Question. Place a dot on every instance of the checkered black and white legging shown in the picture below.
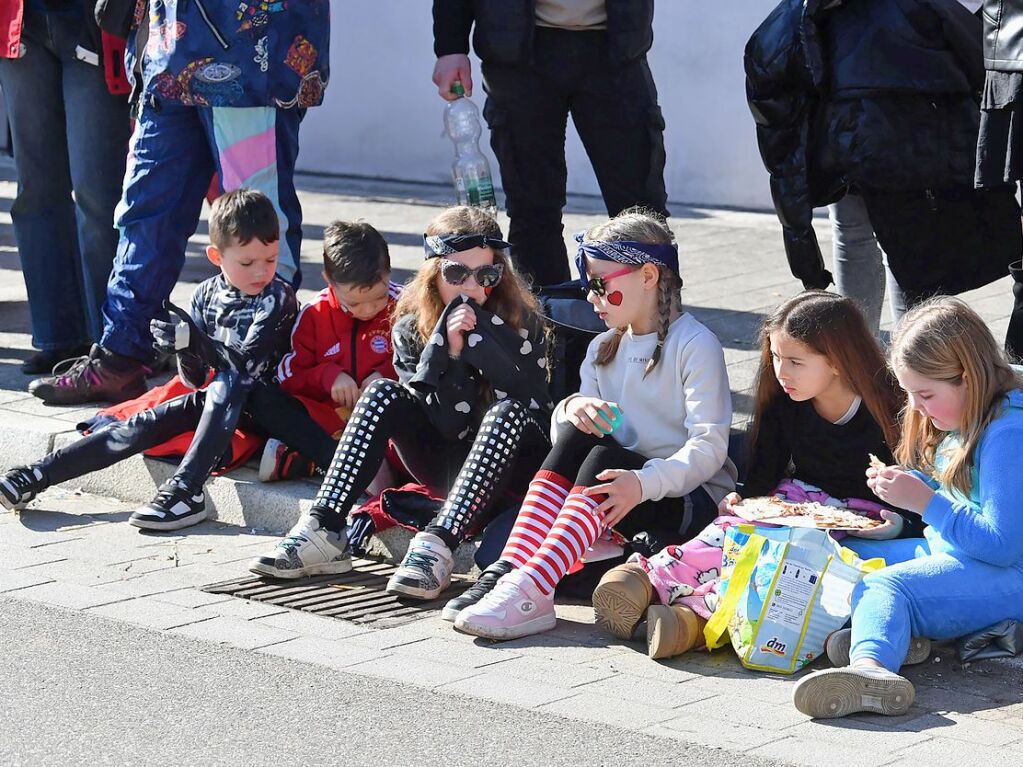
(508, 448)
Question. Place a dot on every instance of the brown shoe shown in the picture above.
(621, 598)
(672, 630)
(101, 376)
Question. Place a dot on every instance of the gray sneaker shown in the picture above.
(426, 569)
(838, 644)
(306, 550)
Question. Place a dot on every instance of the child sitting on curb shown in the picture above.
(341, 343)
(236, 330)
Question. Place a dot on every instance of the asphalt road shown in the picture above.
(78, 689)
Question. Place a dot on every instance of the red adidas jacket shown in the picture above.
(327, 341)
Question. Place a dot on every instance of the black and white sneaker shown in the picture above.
(306, 550)
(483, 586)
(173, 508)
(426, 569)
(19, 486)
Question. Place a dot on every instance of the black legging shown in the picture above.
(580, 456)
(508, 448)
(212, 413)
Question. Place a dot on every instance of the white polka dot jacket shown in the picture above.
(497, 358)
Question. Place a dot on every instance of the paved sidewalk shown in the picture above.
(74, 552)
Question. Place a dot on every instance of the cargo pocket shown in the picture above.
(656, 194)
(503, 143)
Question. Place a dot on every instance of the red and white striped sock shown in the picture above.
(544, 499)
(574, 531)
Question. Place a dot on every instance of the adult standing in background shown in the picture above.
(222, 88)
(66, 97)
(543, 60)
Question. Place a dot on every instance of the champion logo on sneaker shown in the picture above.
(527, 607)
(333, 350)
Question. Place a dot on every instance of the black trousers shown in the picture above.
(505, 453)
(581, 457)
(614, 109)
(212, 413)
(279, 415)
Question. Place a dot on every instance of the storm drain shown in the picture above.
(356, 596)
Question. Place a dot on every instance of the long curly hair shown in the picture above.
(511, 299)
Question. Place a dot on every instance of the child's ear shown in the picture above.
(651, 276)
(213, 254)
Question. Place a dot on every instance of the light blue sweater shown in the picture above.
(989, 524)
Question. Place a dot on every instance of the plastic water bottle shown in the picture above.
(471, 172)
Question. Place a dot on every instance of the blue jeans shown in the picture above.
(174, 152)
(68, 133)
(937, 596)
(861, 267)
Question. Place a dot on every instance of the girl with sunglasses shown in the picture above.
(469, 415)
(642, 446)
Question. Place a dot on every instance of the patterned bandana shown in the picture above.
(625, 252)
(437, 245)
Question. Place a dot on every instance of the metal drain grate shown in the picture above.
(356, 596)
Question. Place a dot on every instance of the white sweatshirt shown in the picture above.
(678, 416)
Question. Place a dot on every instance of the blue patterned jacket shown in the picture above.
(232, 53)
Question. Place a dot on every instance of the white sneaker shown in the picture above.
(515, 608)
(306, 550)
(426, 569)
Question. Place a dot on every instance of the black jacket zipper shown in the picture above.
(355, 362)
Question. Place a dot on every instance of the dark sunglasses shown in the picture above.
(486, 276)
(598, 285)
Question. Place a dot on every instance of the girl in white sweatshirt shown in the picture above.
(643, 445)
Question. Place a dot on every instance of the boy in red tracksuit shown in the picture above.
(341, 342)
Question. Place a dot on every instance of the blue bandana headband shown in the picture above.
(439, 245)
(625, 252)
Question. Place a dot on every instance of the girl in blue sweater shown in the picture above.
(959, 456)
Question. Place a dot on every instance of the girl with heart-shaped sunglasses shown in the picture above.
(642, 448)
(469, 416)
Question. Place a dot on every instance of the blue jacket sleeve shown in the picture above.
(993, 530)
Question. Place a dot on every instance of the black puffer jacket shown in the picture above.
(879, 94)
(504, 29)
(1003, 35)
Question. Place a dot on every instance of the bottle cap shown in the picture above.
(457, 89)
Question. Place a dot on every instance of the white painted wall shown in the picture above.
(382, 116)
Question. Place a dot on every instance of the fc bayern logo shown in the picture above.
(379, 344)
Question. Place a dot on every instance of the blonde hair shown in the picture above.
(834, 327)
(511, 298)
(641, 225)
(943, 339)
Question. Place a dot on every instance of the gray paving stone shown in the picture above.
(150, 613)
(243, 609)
(729, 734)
(745, 709)
(456, 652)
(14, 557)
(247, 635)
(322, 652)
(13, 580)
(971, 729)
(500, 688)
(649, 691)
(599, 708)
(751, 685)
(190, 598)
(552, 648)
(548, 671)
(674, 670)
(943, 752)
(313, 625)
(71, 595)
(422, 673)
(853, 732)
(814, 753)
